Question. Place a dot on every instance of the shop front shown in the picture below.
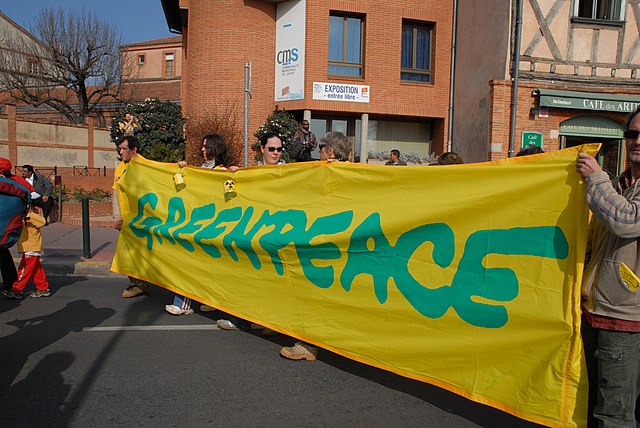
(590, 117)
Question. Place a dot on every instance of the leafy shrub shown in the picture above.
(76, 195)
(162, 135)
(97, 195)
(282, 123)
(409, 157)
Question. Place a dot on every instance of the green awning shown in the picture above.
(591, 126)
(587, 100)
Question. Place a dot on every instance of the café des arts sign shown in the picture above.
(586, 100)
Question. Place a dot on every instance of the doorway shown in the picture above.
(610, 156)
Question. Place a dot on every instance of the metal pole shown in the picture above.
(86, 233)
(247, 95)
(452, 80)
(516, 75)
(246, 114)
(60, 202)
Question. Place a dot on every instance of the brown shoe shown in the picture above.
(134, 290)
(299, 351)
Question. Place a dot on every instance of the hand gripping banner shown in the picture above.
(466, 276)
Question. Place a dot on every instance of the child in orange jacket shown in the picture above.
(30, 245)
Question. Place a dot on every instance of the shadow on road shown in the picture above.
(32, 336)
(447, 401)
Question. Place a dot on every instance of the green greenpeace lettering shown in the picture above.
(476, 293)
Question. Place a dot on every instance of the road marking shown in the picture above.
(154, 328)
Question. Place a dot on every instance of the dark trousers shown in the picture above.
(613, 367)
(8, 268)
(46, 206)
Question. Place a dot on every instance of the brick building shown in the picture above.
(377, 70)
(577, 76)
(157, 66)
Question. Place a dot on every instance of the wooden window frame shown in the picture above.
(164, 65)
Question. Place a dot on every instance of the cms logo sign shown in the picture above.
(287, 56)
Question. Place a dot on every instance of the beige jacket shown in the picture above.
(614, 235)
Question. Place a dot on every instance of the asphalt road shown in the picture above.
(85, 357)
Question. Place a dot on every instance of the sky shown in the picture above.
(137, 20)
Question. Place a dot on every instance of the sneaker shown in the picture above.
(206, 308)
(228, 325)
(134, 290)
(299, 351)
(40, 293)
(14, 295)
(174, 310)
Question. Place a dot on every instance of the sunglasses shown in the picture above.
(273, 149)
(631, 134)
(321, 146)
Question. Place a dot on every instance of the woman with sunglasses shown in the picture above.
(334, 147)
(271, 148)
(216, 156)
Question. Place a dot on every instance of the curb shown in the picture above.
(92, 269)
(101, 269)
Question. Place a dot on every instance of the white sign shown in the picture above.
(340, 92)
(290, 42)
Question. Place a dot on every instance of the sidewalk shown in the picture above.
(63, 250)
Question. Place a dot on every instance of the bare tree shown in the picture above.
(73, 66)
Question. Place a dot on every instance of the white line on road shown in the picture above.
(153, 328)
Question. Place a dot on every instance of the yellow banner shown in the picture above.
(464, 276)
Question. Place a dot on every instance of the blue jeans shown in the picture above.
(618, 372)
(182, 302)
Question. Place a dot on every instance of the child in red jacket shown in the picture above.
(30, 245)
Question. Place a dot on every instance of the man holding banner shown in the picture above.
(128, 147)
(611, 314)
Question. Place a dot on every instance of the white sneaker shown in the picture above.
(174, 310)
(227, 325)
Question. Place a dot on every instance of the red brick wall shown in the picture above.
(88, 182)
(222, 36)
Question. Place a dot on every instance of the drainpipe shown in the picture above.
(516, 75)
(454, 40)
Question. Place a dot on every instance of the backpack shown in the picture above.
(14, 202)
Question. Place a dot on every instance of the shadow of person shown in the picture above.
(38, 399)
(35, 334)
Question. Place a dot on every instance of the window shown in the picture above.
(416, 52)
(141, 59)
(33, 66)
(608, 10)
(168, 65)
(345, 46)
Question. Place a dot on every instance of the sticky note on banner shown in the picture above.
(630, 279)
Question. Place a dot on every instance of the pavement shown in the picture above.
(64, 250)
